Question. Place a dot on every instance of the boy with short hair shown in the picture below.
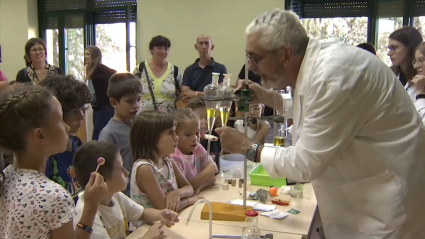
(124, 92)
(73, 96)
(115, 210)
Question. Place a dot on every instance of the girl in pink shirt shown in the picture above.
(189, 155)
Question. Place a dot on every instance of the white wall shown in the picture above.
(18, 23)
(182, 21)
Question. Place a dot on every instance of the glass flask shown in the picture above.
(226, 103)
(213, 96)
(251, 230)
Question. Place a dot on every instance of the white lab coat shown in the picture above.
(361, 143)
(419, 103)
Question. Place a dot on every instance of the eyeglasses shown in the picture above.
(256, 59)
(41, 49)
(392, 48)
(419, 62)
(255, 109)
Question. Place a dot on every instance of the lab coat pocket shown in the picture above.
(378, 202)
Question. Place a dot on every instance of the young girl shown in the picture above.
(32, 206)
(198, 106)
(156, 181)
(257, 129)
(189, 155)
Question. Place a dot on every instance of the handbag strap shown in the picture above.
(143, 66)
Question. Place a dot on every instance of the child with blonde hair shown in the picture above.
(189, 155)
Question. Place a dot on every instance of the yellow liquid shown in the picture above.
(224, 113)
(279, 141)
(211, 116)
(212, 113)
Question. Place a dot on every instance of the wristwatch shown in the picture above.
(252, 151)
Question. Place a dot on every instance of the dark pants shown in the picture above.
(101, 117)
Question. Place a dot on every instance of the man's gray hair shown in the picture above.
(279, 28)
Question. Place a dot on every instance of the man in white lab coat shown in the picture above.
(357, 136)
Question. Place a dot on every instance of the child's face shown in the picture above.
(167, 142)
(74, 119)
(119, 178)
(202, 113)
(188, 133)
(54, 135)
(127, 107)
(255, 110)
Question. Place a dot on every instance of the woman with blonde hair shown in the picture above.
(97, 78)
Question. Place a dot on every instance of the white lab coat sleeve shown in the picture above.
(420, 107)
(334, 106)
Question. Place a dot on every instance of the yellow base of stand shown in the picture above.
(225, 212)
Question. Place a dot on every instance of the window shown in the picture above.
(111, 40)
(52, 46)
(70, 26)
(352, 30)
(419, 23)
(133, 55)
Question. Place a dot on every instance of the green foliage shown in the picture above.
(352, 30)
(74, 51)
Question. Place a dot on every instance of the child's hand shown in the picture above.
(168, 217)
(212, 168)
(172, 200)
(197, 191)
(96, 188)
(155, 232)
(192, 200)
(264, 130)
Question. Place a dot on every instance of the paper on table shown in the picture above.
(240, 202)
(264, 207)
(276, 214)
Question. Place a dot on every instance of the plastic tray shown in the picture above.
(260, 177)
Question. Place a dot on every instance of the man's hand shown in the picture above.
(187, 94)
(419, 82)
(261, 94)
(233, 141)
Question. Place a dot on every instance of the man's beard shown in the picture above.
(276, 83)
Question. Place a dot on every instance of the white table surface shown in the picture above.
(293, 224)
(291, 227)
(200, 230)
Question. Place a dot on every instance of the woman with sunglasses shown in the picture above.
(37, 68)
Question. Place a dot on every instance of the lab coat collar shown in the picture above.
(304, 74)
(311, 53)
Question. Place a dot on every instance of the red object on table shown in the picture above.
(280, 202)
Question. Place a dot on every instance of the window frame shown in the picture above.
(89, 14)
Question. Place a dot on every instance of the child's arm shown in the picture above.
(66, 231)
(262, 133)
(148, 183)
(205, 178)
(93, 193)
(87, 219)
(185, 189)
